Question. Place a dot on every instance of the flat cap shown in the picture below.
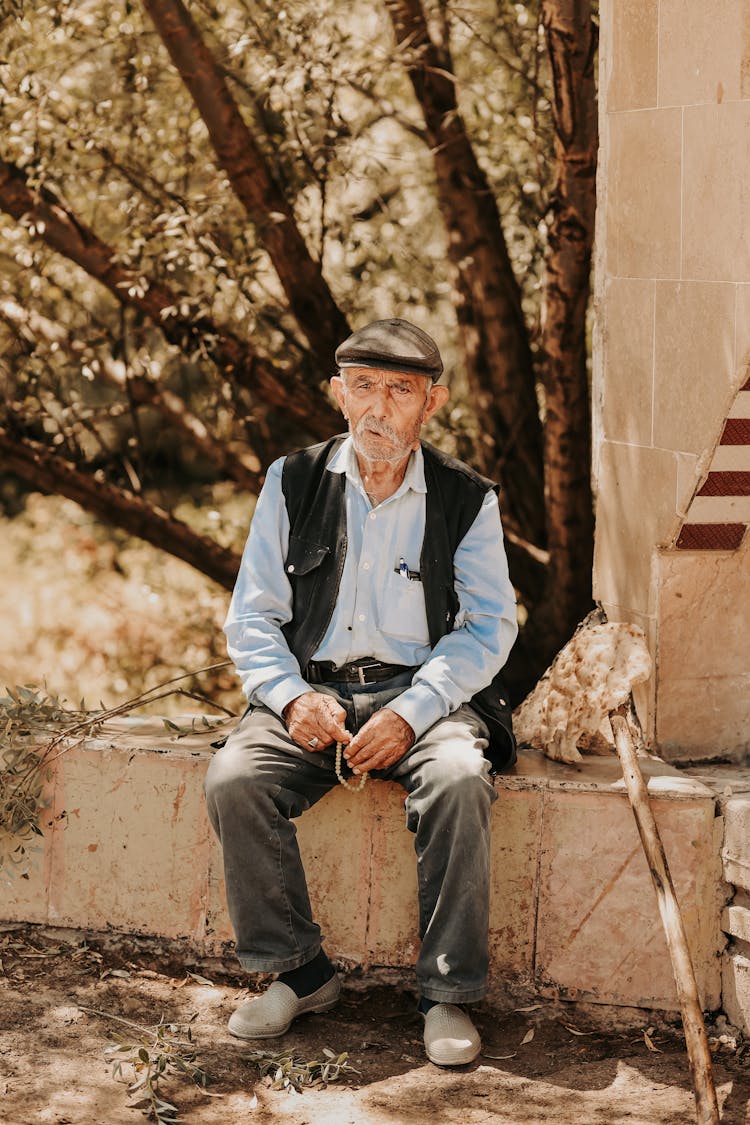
(392, 345)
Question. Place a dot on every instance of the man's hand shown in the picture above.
(316, 716)
(380, 743)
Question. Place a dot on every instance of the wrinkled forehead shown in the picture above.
(379, 376)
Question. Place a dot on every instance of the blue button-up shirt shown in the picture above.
(380, 611)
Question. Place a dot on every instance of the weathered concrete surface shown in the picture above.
(573, 911)
(732, 784)
(671, 359)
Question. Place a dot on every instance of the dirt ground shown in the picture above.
(64, 1000)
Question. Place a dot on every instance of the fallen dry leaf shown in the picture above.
(528, 1036)
(123, 973)
(197, 978)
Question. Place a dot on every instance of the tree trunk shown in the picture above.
(43, 469)
(309, 296)
(571, 42)
(63, 232)
(493, 330)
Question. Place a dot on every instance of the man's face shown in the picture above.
(386, 410)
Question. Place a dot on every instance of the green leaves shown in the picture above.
(286, 1071)
(28, 715)
(198, 725)
(155, 1054)
(37, 726)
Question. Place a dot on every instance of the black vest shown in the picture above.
(317, 549)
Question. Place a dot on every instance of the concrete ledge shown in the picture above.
(573, 914)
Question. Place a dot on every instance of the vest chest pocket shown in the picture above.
(304, 557)
(402, 610)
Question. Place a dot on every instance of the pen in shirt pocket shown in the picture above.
(403, 571)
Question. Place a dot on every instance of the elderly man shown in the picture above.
(372, 607)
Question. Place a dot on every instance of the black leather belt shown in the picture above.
(358, 672)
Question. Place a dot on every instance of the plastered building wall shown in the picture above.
(671, 384)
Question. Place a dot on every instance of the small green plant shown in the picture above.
(287, 1071)
(155, 1054)
(28, 716)
(35, 728)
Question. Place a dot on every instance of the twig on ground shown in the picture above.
(287, 1071)
(155, 1053)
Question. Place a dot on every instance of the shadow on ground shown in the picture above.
(537, 1065)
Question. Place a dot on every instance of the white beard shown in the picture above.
(377, 441)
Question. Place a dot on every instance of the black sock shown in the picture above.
(308, 978)
(425, 1005)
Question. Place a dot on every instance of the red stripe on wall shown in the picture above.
(711, 536)
(726, 483)
(736, 432)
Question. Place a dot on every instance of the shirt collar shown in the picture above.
(345, 461)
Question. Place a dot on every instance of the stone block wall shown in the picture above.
(127, 847)
(672, 344)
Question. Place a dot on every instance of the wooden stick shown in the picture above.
(707, 1108)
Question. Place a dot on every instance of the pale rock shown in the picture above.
(588, 679)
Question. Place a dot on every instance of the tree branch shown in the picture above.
(65, 233)
(45, 470)
(309, 296)
(244, 469)
(490, 316)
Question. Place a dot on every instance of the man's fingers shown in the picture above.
(377, 759)
(315, 721)
(383, 740)
(333, 719)
(335, 732)
(334, 708)
(358, 747)
(366, 750)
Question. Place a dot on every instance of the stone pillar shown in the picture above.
(672, 344)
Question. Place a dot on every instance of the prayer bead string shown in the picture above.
(345, 780)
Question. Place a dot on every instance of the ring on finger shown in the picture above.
(313, 742)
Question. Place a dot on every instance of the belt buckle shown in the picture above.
(361, 673)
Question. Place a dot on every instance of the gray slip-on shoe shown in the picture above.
(450, 1038)
(271, 1014)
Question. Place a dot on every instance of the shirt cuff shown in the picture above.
(420, 707)
(276, 694)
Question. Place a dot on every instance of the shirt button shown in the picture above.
(365, 566)
(290, 568)
(373, 516)
(361, 617)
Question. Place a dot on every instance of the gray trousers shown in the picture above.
(261, 779)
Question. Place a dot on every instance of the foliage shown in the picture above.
(37, 730)
(91, 108)
(185, 236)
(168, 1050)
(155, 1054)
(288, 1071)
(27, 713)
